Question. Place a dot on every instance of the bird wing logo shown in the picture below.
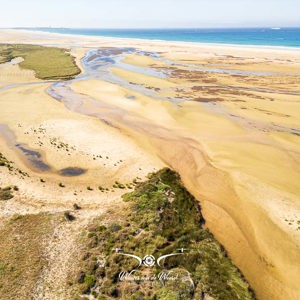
(149, 260)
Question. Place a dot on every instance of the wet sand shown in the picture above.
(226, 118)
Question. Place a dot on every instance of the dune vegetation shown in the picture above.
(21, 253)
(48, 63)
(162, 218)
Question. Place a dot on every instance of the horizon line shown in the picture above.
(151, 28)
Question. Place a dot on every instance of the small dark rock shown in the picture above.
(69, 216)
(76, 206)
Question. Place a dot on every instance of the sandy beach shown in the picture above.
(225, 118)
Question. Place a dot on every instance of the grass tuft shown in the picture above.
(7, 192)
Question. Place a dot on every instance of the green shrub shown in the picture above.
(90, 280)
(162, 217)
(7, 192)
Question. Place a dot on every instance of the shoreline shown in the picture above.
(216, 141)
(158, 41)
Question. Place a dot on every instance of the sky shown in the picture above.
(149, 13)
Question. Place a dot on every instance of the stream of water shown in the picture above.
(97, 64)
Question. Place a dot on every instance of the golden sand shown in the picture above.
(244, 170)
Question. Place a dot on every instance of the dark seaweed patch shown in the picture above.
(71, 172)
(34, 158)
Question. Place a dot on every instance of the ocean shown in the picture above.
(284, 37)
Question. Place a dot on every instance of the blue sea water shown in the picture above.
(284, 37)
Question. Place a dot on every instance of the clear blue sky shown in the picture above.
(149, 13)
